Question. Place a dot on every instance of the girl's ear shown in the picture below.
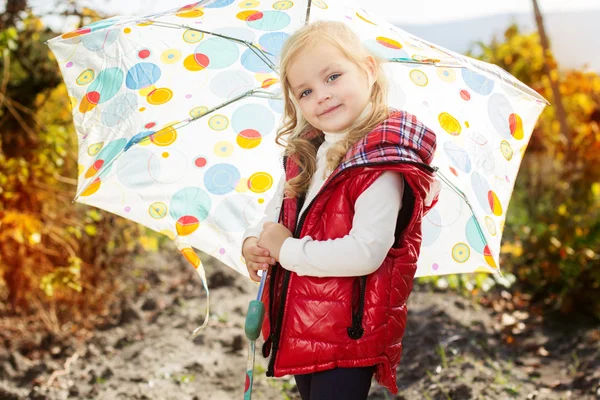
(371, 67)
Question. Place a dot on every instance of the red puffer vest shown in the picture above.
(323, 323)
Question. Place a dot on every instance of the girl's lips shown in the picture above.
(330, 109)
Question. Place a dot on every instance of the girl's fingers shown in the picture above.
(253, 269)
(258, 266)
(253, 275)
(257, 251)
(252, 272)
(263, 260)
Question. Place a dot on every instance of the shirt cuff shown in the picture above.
(290, 251)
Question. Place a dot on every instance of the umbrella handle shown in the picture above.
(253, 325)
(254, 320)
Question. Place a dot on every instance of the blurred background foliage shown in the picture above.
(57, 258)
(64, 260)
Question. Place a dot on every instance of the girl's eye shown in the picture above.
(306, 92)
(334, 76)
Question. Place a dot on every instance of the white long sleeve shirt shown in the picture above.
(364, 248)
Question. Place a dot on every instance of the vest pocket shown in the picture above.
(356, 331)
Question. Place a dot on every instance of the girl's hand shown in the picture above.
(257, 258)
(272, 238)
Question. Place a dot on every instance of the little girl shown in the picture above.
(342, 258)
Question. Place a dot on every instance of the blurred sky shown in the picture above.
(397, 11)
(455, 24)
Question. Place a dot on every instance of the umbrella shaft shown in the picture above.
(249, 371)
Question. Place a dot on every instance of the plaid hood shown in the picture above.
(399, 138)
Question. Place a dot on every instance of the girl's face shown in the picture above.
(331, 90)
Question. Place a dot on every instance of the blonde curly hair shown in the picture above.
(296, 131)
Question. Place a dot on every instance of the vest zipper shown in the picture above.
(276, 333)
(266, 345)
(356, 331)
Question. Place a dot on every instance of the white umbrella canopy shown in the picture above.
(176, 115)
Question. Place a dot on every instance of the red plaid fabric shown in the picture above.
(400, 136)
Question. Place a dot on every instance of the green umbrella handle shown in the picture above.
(254, 319)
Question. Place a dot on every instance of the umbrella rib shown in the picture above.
(426, 43)
(260, 54)
(255, 49)
(253, 92)
(435, 63)
(447, 181)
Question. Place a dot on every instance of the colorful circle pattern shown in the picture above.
(86, 77)
(192, 36)
(461, 253)
(231, 69)
(221, 179)
(260, 182)
(269, 21)
(218, 122)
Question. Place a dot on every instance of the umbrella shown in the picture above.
(176, 113)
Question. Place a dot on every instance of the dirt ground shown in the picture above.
(455, 348)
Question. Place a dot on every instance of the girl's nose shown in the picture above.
(324, 96)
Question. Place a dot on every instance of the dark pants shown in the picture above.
(336, 384)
